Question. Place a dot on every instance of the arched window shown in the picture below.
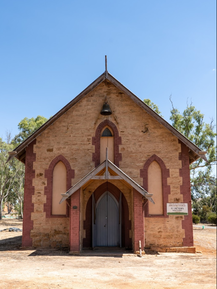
(155, 175)
(96, 140)
(59, 187)
(52, 191)
(155, 188)
(106, 141)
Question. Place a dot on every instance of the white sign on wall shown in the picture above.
(177, 209)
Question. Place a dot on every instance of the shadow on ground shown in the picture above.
(9, 244)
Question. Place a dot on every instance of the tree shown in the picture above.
(16, 196)
(12, 173)
(152, 105)
(27, 126)
(204, 198)
(191, 124)
(9, 173)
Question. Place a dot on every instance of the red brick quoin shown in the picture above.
(48, 189)
(165, 187)
(185, 189)
(96, 142)
(28, 207)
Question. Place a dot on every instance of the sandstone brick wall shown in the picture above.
(71, 136)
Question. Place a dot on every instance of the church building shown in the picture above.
(107, 171)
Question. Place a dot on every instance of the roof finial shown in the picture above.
(106, 71)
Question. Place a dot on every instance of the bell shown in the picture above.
(106, 110)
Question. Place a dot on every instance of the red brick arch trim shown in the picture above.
(49, 188)
(165, 187)
(96, 142)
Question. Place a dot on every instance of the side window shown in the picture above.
(59, 187)
(106, 141)
(155, 188)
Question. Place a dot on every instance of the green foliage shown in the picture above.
(12, 172)
(212, 218)
(152, 106)
(191, 124)
(27, 126)
(203, 185)
(195, 219)
(205, 203)
(16, 195)
(204, 212)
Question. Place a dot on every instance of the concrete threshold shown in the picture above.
(107, 252)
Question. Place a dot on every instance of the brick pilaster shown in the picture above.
(74, 231)
(138, 221)
(28, 206)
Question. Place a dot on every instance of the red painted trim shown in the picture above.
(28, 206)
(126, 223)
(107, 186)
(138, 220)
(74, 230)
(165, 187)
(96, 142)
(185, 190)
(49, 188)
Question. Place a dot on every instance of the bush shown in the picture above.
(195, 219)
(212, 218)
(204, 213)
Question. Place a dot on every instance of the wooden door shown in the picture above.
(107, 221)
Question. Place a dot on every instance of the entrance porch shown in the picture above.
(106, 210)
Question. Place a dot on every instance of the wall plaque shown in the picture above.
(177, 209)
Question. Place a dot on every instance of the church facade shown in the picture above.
(107, 171)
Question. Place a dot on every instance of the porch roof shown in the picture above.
(94, 175)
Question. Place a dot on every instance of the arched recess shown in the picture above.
(59, 187)
(165, 187)
(155, 188)
(49, 188)
(125, 224)
(96, 142)
(106, 141)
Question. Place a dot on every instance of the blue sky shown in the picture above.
(51, 50)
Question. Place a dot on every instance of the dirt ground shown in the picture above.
(57, 269)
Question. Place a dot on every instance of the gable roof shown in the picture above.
(94, 175)
(194, 153)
